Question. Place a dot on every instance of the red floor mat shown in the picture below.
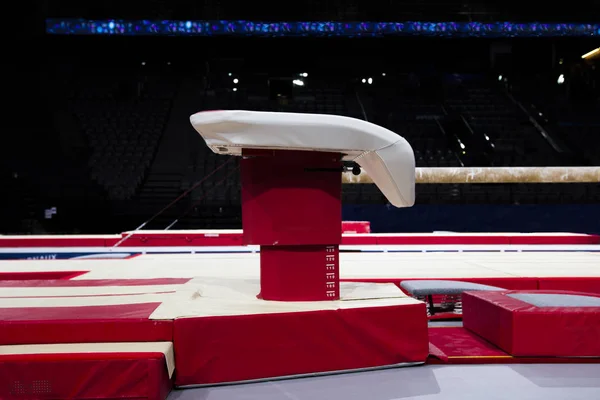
(215, 350)
(457, 342)
(454, 345)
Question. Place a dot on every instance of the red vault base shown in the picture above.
(291, 198)
(224, 349)
(299, 273)
(291, 207)
(525, 330)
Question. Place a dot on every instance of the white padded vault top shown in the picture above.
(386, 157)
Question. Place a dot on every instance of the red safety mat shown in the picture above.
(522, 329)
(84, 376)
(238, 348)
(7, 277)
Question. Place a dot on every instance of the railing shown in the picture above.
(495, 175)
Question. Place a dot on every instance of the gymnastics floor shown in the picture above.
(121, 315)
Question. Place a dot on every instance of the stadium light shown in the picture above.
(591, 53)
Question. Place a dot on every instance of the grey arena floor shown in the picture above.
(449, 382)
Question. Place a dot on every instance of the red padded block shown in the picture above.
(488, 321)
(84, 376)
(284, 204)
(213, 350)
(91, 324)
(460, 342)
(356, 227)
(590, 284)
(299, 273)
(524, 330)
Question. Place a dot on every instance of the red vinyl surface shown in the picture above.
(176, 239)
(358, 240)
(37, 276)
(556, 240)
(84, 376)
(448, 240)
(521, 329)
(94, 282)
(589, 284)
(237, 348)
(216, 238)
(48, 325)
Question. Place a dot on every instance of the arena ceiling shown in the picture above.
(329, 10)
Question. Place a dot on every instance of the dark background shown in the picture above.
(48, 150)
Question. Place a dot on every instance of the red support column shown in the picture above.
(291, 207)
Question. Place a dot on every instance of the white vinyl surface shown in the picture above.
(228, 297)
(352, 265)
(227, 284)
